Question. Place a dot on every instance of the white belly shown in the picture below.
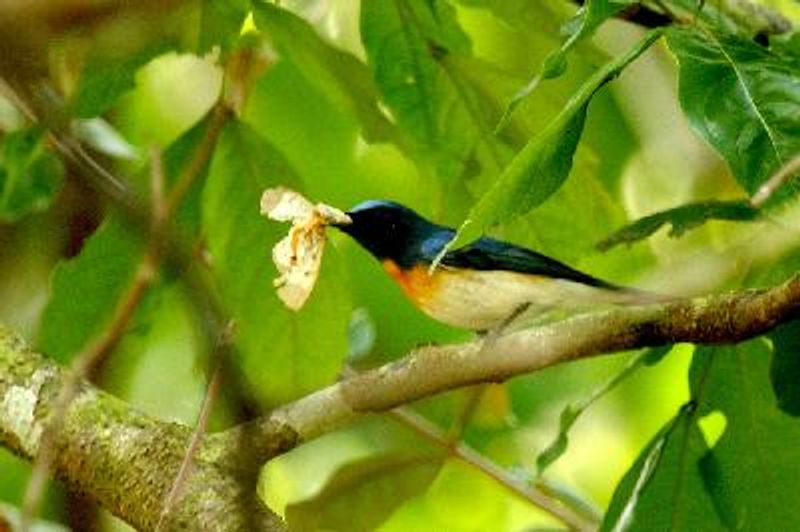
(486, 299)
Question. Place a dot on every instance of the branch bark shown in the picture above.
(120, 457)
(430, 370)
(127, 460)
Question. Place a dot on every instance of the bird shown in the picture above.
(482, 286)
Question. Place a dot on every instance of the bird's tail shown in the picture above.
(621, 295)
(580, 294)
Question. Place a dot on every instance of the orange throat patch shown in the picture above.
(417, 283)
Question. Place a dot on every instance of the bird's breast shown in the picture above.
(472, 299)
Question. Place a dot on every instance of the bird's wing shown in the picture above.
(491, 254)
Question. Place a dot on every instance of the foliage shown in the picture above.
(308, 345)
(432, 104)
(546, 160)
(680, 219)
(30, 175)
(742, 98)
(589, 17)
(377, 484)
(785, 367)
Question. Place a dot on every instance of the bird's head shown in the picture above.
(387, 229)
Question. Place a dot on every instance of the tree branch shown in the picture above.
(430, 370)
(127, 460)
(461, 451)
(120, 457)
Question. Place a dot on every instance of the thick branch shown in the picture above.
(127, 460)
(118, 456)
(431, 370)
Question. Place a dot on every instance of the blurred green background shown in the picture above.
(638, 155)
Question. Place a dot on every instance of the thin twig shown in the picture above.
(430, 370)
(158, 204)
(784, 173)
(462, 419)
(219, 117)
(87, 363)
(203, 418)
(84, 364)
(468, 455)
(117, 455)
(90, 361)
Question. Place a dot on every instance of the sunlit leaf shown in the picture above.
(283, 353)
(545, 162)
(785, 368)
(681, 219)
(105, 77)
(589, 17)
(744, 99)
(337, 74)
(740, 18)
(364, 493)
(523, 13)
(30, 175)
(221, 23)
(751, 472)
(664, 490)
(410, 46)
(160, 108)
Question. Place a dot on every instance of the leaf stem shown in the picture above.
(465, 453)
(201, 427)
(784, 173)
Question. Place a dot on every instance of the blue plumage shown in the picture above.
(480, 286)
(393, 231)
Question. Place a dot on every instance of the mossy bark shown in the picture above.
(125, 460)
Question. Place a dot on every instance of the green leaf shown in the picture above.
(221, 23)
(741, 18)
(785, 368)
(543, 165)
(159, 364)
(753, 469)
(285, 354)
(571, 413)
(11, 519)
(417, 52)
(85, 290)
(589, 17)
(664, 490)
(363, 494)
(744, 99)
(558, 446)
(654, 355)
(107, 76)
(337, 74)
(30, 175)
(681, 219)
